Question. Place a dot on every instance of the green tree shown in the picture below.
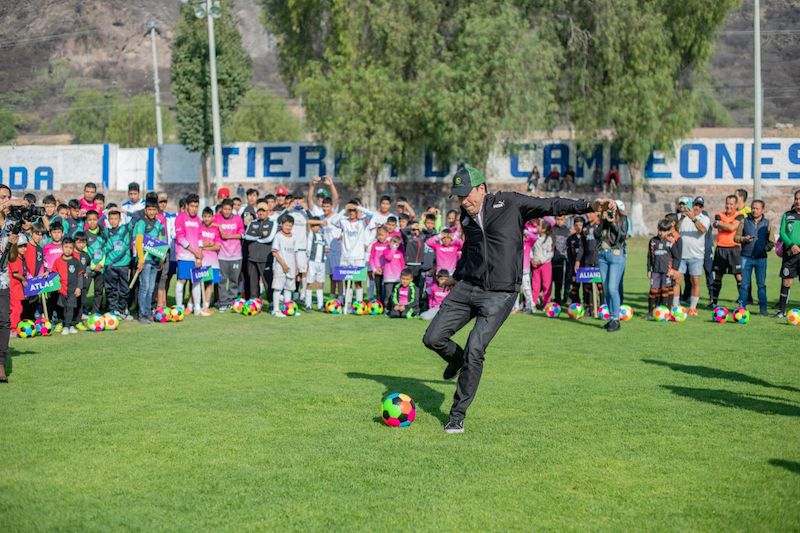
(191, 78)
(133, 122)
(631, 65)
(382, 79)
(263, 116)
(88, 116)
(8, 125)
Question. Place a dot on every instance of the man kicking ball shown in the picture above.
(487, 277)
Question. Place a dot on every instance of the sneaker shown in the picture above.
(223, 309)
(65, 331)
(691, 311)
(190, 309)
(648, 316)
(84, 316)
(58, 328)
(779, 314)
(454, 426)
(13, 333)
(763, 312)
(278, 314)
(452, 369)
(128, 318)
(145, 321)
(80, 326)
(613, 326)
(205, 312)
(711, 306)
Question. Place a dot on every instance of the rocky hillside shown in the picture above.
(47, 44)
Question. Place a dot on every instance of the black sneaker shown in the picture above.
(613, 326)
(452, 369)
(454, 426)
(779, 314)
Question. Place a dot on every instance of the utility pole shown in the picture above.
(152, 30)
(758, 100)
(212, 55)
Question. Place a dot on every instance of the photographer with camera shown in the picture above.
(9, 234)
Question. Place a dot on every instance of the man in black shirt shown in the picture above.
(488, 276)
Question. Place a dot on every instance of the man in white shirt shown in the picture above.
(692, 226)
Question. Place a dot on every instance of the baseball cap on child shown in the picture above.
(281, 191)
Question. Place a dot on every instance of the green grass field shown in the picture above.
(254, 423)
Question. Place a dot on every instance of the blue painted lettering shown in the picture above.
(702, 161)
(319, 161)
(269, 161)
(723, 158)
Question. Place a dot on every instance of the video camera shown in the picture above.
(18, 214)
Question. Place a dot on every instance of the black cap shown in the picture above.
(465, 179)
(699, 201)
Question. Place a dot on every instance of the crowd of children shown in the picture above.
(287, 246)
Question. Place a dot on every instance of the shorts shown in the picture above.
(282, 281)
(185, 270)
(333, 260)
(316, 272)
(301, 261)
(165, 273)
(693, 266)
(727, 260)
(790, 268)
(660, 280)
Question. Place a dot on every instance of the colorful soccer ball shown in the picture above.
(177, 313)
(333, 306)
(251, 308)
(625, 312)
(398, 410)
(576, 311)
(161, 314)
(604, 312)
(793, 317)
(289, 308)
(238, 305)
(259, 303)
(26, 329)
(375, 307)
(662, 313)
(96, 322)
(741, 315)
(679, 313)
(720, 314)
(43, 327)
(111, 321)
(552, 310)
(359, 308)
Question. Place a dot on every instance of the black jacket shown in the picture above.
(259, 236)
(492, 257)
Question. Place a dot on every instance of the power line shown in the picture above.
(763, 32)
(50, 37)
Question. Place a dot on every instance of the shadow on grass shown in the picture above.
(791, 466)
(12, 353)
(725, 398)
(427, 398)
(707, 372)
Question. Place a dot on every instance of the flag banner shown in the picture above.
(202, 274)
(42, 285)
(154, 247)
(345, 273)
(588, 275)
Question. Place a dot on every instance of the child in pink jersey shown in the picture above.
(447, 250)
(231, 228)
(394, 263)
(529, 235)
(377, 261)
(541, 263)
(211, 243)
(52, 250)
(188, 252)
(436, 295)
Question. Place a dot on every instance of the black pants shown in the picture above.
(116, 283)
(388, 290)
(560, 280)
(379, 294)
(99, 287)
(255, 271)
(465, 302)
(5, 324)
(54, 309)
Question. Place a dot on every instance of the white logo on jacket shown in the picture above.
(501, 203)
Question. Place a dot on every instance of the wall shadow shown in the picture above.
(427, 398)
(791, 466)
(725, 398)
(708, 372)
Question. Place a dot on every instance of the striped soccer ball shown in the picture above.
(43, 327)
(741, 315)
(662, 313)
(96, 322)
(625, 312)
(679, 313)
(552, 310)
(26, 329)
